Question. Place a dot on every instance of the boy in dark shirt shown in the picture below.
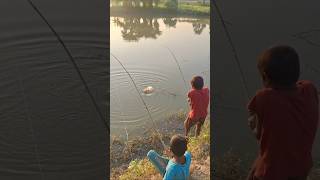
(284, 117)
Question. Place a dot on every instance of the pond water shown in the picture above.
(47, 120)
(161, 52)
(253, 29)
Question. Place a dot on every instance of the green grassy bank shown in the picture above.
(183, 8)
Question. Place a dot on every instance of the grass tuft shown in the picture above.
(140, 169)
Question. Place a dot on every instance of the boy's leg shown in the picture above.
(198, 129)
(188, 123)
(187, 126)
(158, 161)
(199, 125)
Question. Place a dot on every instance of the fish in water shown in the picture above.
(148, 90)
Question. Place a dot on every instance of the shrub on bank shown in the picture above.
(171, 4)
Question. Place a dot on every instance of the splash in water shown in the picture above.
(148, 90)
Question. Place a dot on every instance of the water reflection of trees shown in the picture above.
(198, 28)
(170, 22)
(135, 28)
(198, 24)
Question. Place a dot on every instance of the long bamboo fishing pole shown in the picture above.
(144, 103)
(235, 54)
(73, 63)
(175, 59)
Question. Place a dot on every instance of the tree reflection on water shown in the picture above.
(135, 28)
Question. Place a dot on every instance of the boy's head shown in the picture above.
(197, 82)
(279, 66)
(178, 145)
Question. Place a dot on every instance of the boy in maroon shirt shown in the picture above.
(198, 98)
(284, 118)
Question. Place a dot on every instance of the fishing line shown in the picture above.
(36, 148)
(177, 62)
(121, 120)
(144, 103)
(74, 64)
(168, 92)
(175, 59)
(236, 57)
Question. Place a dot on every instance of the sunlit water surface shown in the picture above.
(143, 45)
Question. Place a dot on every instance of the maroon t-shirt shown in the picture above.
(199, 100)
(289, 120)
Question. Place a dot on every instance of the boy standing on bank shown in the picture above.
(198, 98)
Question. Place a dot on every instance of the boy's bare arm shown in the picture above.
(189, 102)
(254, 124)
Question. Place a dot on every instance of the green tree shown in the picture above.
(171, 4)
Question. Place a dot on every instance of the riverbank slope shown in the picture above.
(128, 159)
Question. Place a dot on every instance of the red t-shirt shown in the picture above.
(289, 120)
(199, 100)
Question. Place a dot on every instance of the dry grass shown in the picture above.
(143, 169)
(200, 146)
(133, 165)
(140, 169)
(232, 166)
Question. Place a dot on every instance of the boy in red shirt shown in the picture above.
(198, 98)
(284, 118)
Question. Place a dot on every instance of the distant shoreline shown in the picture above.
(155, 12)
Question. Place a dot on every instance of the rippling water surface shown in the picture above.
(47, 119)
(141, 44)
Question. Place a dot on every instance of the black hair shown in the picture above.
(280, 64)
(197, 82)
(178, 145)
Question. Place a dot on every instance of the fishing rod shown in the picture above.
(125, 128)
(144, 103)
(235, 54)
(74, 64)
(175, 59)
(177, 62)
